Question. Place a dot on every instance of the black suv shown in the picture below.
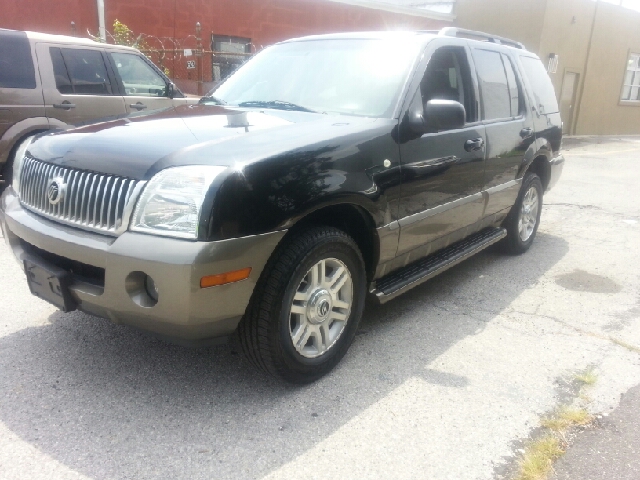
(326, 169)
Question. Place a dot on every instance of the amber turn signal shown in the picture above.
(224, 278)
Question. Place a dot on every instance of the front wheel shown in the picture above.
(306, 307)
(524, 218)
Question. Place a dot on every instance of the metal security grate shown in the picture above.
(87, 200)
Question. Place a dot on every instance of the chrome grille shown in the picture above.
(91, 201)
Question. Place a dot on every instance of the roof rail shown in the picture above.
(456, 32)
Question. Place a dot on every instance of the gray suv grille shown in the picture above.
(92, 201)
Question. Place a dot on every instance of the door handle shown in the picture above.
(474, 145)
(526, 132)
(66, 105)
(138, 106)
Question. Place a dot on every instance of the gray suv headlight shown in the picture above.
(171, 202)
(18, 161)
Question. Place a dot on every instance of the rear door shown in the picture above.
(144, 88)
(78, 86)
(509, 127)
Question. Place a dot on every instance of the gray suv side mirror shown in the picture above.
(438, 115)
(171, 90)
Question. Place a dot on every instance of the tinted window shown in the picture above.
(63, 83)
(448, 77)
(496, 99)
(16, 64)
(138, 77)
(87, 71)
(543, 92)
(514, 91)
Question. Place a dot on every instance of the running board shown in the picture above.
(398, 282)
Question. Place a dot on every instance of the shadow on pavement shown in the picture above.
(110, 402)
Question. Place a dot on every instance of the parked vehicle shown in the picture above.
(56, 82)
(325, 169)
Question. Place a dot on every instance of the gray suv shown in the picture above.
(56, 82)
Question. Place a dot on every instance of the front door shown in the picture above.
(568, 100)
(77, 85)
(143, 87)
(443, 172)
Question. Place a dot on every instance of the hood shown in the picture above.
(139, 146)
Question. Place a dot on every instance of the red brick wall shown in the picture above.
(49, 16)
(264, 21)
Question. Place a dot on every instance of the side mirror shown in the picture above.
(438, 115)
(171, 90)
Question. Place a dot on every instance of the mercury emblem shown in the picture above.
(56, 188)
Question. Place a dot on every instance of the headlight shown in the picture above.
(18, 160)
(172, 200)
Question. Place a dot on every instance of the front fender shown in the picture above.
(267, 198)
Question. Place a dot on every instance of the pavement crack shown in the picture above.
(593, 207)
(582, 331)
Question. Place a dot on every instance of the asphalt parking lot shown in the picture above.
(442, 383)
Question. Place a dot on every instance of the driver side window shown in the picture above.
(448, 77)
(138, 77)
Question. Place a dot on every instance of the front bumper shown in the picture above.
(184, 312)
(557, 164)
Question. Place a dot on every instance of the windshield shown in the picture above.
(354, 77)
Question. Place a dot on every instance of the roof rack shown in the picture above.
(457, 32)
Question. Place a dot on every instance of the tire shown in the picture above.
(7, 173)
(524, 218)
(296, 327)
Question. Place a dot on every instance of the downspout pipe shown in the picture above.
(102, 31)
(584, 71)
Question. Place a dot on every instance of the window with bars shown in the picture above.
(631, 88)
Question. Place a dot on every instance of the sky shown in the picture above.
(635, 4)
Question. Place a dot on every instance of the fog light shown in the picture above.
(151, 287)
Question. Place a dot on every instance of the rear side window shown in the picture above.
(63, 82)
(514, 91)
(16, 64)
(544, 95)
(80, 71)
(496, 96)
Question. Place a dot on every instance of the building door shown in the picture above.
(568, 100)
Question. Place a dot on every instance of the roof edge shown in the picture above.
(414, 12)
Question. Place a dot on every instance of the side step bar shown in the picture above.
(398, 282)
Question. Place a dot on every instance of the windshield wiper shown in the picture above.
(277, 104)
(212, 99)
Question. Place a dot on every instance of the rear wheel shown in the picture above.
(306, 307)
(524, 218)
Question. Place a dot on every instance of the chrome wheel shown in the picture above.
(528, 214)
(321, 307)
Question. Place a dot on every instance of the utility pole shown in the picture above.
(199, 58)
